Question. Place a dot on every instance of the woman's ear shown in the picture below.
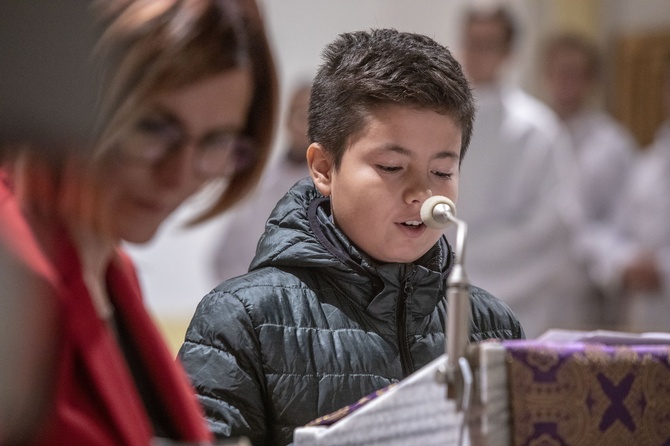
(321, 167)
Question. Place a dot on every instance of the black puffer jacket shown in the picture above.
(315, 325)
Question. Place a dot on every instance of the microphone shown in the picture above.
(438, 211)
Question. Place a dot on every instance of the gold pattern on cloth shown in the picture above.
(589, 394)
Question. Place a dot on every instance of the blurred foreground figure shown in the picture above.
(182, 95)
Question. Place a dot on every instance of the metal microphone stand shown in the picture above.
(438, 212)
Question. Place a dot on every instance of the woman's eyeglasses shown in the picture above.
(151, 140)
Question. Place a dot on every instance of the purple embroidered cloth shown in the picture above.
(588, 394)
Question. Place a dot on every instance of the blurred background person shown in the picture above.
(516, 189)
(187, 100)
(643, 270)
(604, 150)
(246, 222)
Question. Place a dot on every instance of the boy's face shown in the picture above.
(401, 157)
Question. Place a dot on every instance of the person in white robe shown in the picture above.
(516, 192)
(636, 271)
(604, 152)
(646, 277)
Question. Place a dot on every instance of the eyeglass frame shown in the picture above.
(169, 136)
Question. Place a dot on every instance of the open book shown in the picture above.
(606, 337)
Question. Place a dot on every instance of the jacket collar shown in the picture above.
(301, 233)
(421, 282)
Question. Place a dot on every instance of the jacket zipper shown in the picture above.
(401, 321)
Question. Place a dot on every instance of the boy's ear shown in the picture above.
(321, 167)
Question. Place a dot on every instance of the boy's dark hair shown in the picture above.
(363, 70)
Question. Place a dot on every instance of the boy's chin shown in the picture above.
(399, 257)
(400, 252)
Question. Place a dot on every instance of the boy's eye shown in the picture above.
(442, 174)
(388, 168)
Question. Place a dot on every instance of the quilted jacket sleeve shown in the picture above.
(491, 318)
(221, 355)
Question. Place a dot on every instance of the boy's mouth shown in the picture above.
(412, 228)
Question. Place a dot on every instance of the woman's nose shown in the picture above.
(177, 167)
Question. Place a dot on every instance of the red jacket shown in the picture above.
(95, 399)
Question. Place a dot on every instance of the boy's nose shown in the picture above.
(418, 191)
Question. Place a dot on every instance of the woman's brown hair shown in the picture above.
(150, 45)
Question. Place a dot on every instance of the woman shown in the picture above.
(188, 99)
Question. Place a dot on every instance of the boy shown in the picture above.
(346, 292)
